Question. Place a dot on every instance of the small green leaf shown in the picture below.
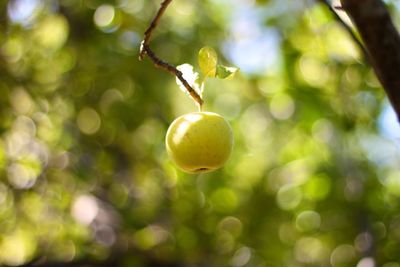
(191, 77)
(208, 59)
(224, 72)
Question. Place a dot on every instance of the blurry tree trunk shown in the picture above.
(382, 41)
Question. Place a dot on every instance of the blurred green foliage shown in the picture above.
(84, 176)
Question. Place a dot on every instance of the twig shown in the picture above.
(153, 25)
(345, 26)
(145, 50)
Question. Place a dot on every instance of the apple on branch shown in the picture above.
(199, 142)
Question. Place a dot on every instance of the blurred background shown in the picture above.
(314, 178)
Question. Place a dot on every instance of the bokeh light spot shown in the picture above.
(318, 187)
(366, 262)
(282, 106)
(313, 71)
(88, 121)
(150, 236)
(104, 15)
(310, 250)
(52, 32)
(342, 255)
(85, 209)
(308, 221)
(363, 242)
(232, 225)
(106, 18)
(13, 50)
(21, 101)
(17, 248)
(289, 197)
(23, 11)
(224, 200)
(241, 257)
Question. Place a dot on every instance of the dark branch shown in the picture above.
(373, 21)
(145, 50)
(345, 26)
(153, 25)
(171, 69)
(338, 7)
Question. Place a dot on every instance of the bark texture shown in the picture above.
(382, 40)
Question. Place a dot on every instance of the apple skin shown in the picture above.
(199, 142)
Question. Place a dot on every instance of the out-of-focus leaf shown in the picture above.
(224, 72)
(208, 60)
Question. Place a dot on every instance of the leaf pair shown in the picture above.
(208, 63)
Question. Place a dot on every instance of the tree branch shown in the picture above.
(348, 29)
(382, 40)
(145, 50)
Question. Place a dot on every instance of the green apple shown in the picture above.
(199, 142)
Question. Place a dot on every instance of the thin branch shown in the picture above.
(338, 8)
(145, 50)
(348, 29)
(171, 69)
(382, 40)
(153, 25)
